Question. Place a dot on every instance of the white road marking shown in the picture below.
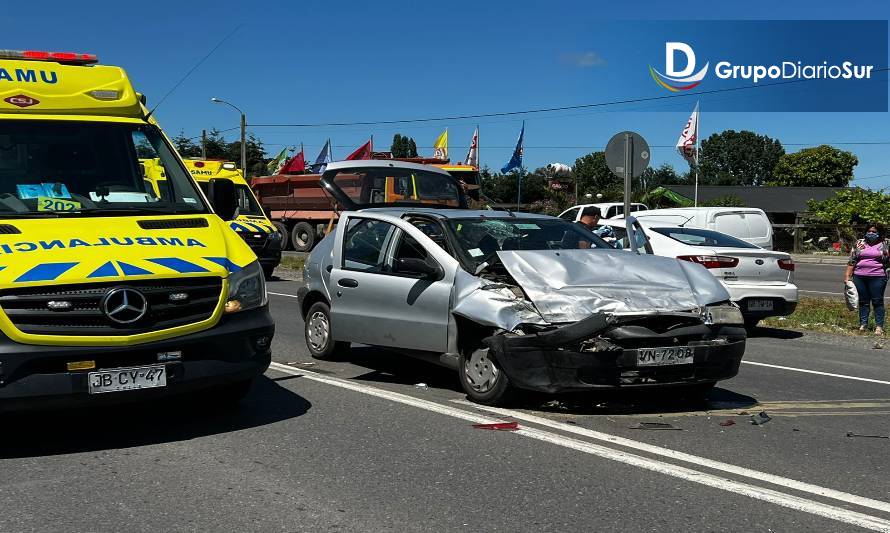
(695, 476)
(282, 294)
(689, 458)
(831, 293)
(807, 371)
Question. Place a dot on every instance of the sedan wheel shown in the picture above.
(481, 373)
(319, 339)
(482, 379)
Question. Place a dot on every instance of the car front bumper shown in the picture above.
(236, 349)
(553, 361)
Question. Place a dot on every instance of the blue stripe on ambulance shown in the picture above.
(224, 262)
(45, 272)
(237, 227)
(105, 271)
(258, 228)
(179, 265)
(132, 270)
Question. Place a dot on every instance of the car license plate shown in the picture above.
(671, 355)
(124, 379)
(760, 305)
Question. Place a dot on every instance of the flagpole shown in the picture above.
(697, 148)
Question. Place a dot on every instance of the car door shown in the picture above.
(376, 302)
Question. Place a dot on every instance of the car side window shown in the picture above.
(570, 214)
(364, 244)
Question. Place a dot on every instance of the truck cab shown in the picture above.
(250, 222)
(114, 286)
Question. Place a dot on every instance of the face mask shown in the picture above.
(871, 236)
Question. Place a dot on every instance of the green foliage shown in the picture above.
(594, 177)
(728, 200)
(652, 178)
(403, 146)
(738, 158)
(822, 166)
(185, 146)
(218, 148)
(851, 207)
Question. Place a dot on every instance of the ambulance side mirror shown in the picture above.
(221, 193)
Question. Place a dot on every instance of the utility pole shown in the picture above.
(243, 133)
(203, 144)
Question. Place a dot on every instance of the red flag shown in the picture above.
(295, 165)
(363, 152)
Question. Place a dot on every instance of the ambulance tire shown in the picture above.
(303, 236)
(285, 235)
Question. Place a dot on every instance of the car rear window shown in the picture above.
(703, 237)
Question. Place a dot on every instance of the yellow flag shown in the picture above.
(441, 146)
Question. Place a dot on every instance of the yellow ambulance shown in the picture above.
(113, 287)
(250, 223)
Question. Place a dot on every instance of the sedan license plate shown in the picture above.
(760, 305)
(671, 355)
(125, 379)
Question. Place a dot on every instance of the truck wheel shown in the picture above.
(285, 235)
(318, 333)
(482, 379)
(303, 236)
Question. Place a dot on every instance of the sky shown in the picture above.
(312, 62)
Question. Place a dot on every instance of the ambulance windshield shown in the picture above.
(51, 168)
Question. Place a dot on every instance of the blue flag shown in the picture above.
(321, 162)
(516, 160)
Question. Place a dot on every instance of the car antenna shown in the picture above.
(191, 70)
(687, 221)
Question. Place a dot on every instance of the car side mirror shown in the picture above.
(221, 193)
(420, 267)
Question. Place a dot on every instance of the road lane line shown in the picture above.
(688, 458)
(807, 371)
(831, 293)
(695, 476)
(282, 294)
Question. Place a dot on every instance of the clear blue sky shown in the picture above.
(310, 62)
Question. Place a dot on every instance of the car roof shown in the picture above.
(381, 163)
(454, 213)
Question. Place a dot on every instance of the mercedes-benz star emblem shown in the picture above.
(124, 306)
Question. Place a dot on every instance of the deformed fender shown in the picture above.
(491, 304)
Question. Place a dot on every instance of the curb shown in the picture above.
(819, 260)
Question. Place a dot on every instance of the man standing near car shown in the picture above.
(590, 217)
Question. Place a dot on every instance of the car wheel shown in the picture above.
(482, 379)
(303, 236)
(285, 235)
(267, 271)
(318, 333)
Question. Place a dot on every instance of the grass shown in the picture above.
(293, 263)
(819, 314)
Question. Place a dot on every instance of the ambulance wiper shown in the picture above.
(127, 210)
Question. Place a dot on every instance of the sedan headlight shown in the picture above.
(247, 289)
(722, 314)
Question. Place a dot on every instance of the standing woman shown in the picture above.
(867, 268)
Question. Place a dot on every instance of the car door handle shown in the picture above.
(347, 282)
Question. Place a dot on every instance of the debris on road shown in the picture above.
(655, 425)
(879, 345)
(760, 418)
(851, 434)
(420, 385)
(498, 426)
(728, 422)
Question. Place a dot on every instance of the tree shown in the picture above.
(853, 206)
(738, 158)
(403, 146)
(594, 176)
(822, 166)
(216, 146)
(657, 177)
(728, 200)
(185, 146)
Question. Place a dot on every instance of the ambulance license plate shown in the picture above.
(670, 355)
(126, 379)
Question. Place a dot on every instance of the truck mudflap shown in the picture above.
(591, 354)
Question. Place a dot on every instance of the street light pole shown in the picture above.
(243, 133)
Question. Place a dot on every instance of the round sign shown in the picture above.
(619, 146)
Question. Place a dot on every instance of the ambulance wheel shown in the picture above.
(285, 235)
(303, 236)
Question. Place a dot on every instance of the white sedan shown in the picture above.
(760, 281)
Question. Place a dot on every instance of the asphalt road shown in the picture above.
(357, 445)
(819, 280)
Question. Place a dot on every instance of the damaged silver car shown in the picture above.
(512, 301)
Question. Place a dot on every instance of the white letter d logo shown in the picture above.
(670, 50)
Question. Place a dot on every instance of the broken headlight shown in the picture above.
(722, 314)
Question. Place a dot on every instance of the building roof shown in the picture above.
(770, 199)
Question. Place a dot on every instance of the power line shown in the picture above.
(540, 110)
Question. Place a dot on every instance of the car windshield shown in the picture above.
(703, 237)
(55, 168)
(479, 238)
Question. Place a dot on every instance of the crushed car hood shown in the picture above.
(571, 285)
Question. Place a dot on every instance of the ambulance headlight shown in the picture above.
(247, 289)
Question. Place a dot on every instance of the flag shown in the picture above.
(363, 151)
(473, 154)
(274, 166)
(516, 160)
(295, 165)
(324, 157)
(686, 144)
(441, 146)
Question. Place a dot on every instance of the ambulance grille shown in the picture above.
(173, 223)
(9, 229)
(29, 308)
